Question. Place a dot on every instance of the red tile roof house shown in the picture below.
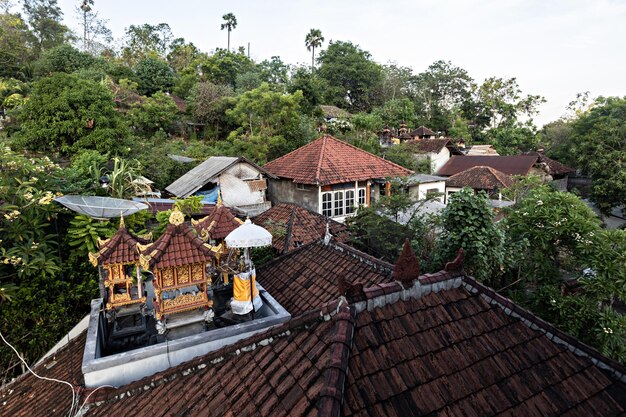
(437, 150)
(331, 177)
(479, 178)
(364, 338)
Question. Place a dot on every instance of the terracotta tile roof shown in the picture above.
(429, 145)
(177, 246)
(120, 248)
(554, 167)
(293, 226)
(452, 353)
(29, 396)
(308, 277)
(480, 178)
(218, 224)
(445, 346)
(421, 132)
(328, 160)
(511, 165)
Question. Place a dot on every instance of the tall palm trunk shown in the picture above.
(313, 58)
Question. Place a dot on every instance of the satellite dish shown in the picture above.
(100, 208)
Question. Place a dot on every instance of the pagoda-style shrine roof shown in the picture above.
(178, 245)
(121, 248)
(218, 224)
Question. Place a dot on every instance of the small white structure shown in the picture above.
(423, 186)
(241, 182)
(246, 297)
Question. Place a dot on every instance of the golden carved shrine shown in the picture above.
(178, 260)
(119, 259)
(213, 229)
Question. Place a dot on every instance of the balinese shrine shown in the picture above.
(180, 284)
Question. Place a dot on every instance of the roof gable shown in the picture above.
(121, 248)
(511, 165)
(177, 246)
(429, 145)
(218, 224)
(308, 277)
(480, 178)
(328, 160)
(293, 226)
(200, 175)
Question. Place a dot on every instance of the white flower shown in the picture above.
(28, 196)
(47, 198)
(539, 202)
(12, 215)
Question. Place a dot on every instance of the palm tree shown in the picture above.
(313, 40)
(231, 24)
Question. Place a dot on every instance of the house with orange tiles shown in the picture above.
(331, 177)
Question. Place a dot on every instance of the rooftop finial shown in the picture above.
(177, 217)
(219, 197)
(327, 236)
(121, 220)
(407, 267)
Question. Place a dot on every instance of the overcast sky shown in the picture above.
(555, 48)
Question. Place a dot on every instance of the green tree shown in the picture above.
(144, 41)
(503, 103)
(47, 298)
(154, 75)
(183, 56)
(514, 139)
(351, 75)
(467, 222)
(230, 23)
(395, 82)
(265, 112)
(63, 58)
(438, 92)
(599, 145)
(44, 18)
(555, 224)
(396, 111)
(275, 72)
(153, 113)
(209, 103)
(224, 66)
(312, 88)
(15, 46)
(65, 113)
(314, 39)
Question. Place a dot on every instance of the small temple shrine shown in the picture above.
(118, 261)
(178, 259)
(189, 280)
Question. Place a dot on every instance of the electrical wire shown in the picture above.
(43, 377)
(87, 398)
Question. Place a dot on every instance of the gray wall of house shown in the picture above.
(285, 191)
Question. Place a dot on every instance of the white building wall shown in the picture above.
(438, 160)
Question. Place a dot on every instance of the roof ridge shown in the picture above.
(369, 153)
(318, 170)
(336, 370)
(289, 230)
(360, 254)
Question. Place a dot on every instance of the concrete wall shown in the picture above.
(285, 191)
(418, 191)
(438, 160)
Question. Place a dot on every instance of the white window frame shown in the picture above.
(338, 203)
(349, 202)
(327, 204)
